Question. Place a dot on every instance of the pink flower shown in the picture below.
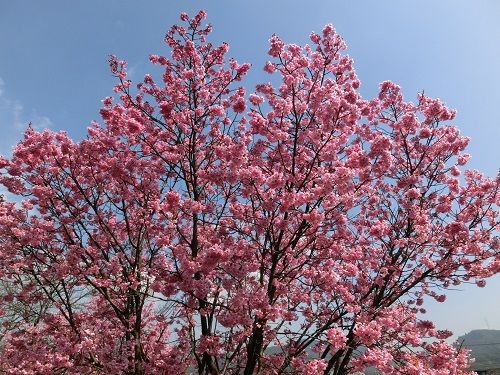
(256, 99)
(315, 38)
(425, 133)
(239, 105)
(276, 46)
(336, 338)
(269, 67)
(455, 171)
(413, 193)
(462, 159)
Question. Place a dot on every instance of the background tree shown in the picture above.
(189, 233)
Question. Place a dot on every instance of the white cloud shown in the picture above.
(41, 122)
(14, 110)
(14, 119)
(17, 111)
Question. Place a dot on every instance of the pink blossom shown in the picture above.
(269, 67)
(336, 338)
(462, 159)
(199, 233)
(239, 105)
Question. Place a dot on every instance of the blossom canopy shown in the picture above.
(295, 229)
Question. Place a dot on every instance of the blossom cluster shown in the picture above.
(201, 228)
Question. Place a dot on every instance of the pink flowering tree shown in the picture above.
(199, 229)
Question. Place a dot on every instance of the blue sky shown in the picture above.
(53, 69)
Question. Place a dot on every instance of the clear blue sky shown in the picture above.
(53, 69)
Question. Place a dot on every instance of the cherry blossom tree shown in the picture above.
(200, 229)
